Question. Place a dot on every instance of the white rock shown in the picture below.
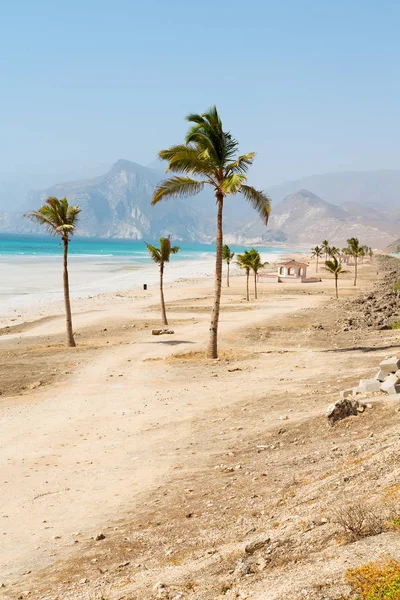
(381, 375)
(391, 385)
(370, 385)
(390, 365)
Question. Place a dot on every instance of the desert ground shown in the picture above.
(134, 468)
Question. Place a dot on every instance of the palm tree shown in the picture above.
(227, 257)
(333, 251)
(256, 265)
(161, 256)
(336, 268)
(316, 252)
(325, 248)
(355, 250)
(60, 218)
(210, 153)
(245, 261)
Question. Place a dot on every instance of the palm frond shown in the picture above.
(233, 183)
(259, 201)
(57, 216)
(241, 164)
(175, 187)
(154, 253)
(186, 159)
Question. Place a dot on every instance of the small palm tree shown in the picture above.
(161, 256)
(316, 252)
(333, 251)
(244, 261)
(355, 250)
(211, 154)
(325, 248)
(256, 264)
(61, 219)
(227, 256)
(336, 268)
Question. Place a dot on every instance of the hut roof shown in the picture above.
(292, 263)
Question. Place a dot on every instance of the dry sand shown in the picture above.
(176, 459)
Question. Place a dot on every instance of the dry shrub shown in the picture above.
(365, 518)
(376, 581)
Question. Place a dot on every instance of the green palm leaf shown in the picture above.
(259, 201)
(175, 187)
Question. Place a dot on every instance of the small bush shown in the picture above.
(395, 325)
(376, 581)
(396, 286)
(364, 519)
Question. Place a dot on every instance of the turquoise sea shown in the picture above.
(91, 248)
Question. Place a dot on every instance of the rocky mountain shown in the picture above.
(304, 218)
(117, 204)
(379, 190)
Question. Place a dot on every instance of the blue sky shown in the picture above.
(312, 86)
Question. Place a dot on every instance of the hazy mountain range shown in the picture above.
(333, 206)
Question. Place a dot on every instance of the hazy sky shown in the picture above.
(312, 86)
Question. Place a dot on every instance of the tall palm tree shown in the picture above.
(59, 218)
(227, 256)
(355, 250)
(336, 268)
(211, 154)
(161, 256)
(316, 252)
(244, 261)
(256, 264)
(325, 248)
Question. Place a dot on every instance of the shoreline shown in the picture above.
(34, 284)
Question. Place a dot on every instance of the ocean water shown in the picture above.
(26, 246)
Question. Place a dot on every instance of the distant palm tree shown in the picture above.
(256, 264)
(333, 251)
(316, 252)
(227, 257)
(336, 268)
(355, 250)
(161, 256)
(210, 153)
(244, 261)
(60, 218)
(325, 248)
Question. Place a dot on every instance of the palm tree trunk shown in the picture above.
(336, 287)
(255, 285)
(163, 313)
(355, 270)
(227, 277)
(68, 317)
(212, 351)
(247, 285)
(316, 270)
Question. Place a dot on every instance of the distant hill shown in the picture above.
(377, 189)
(117, 204)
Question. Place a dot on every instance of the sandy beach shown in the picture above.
(169, 459)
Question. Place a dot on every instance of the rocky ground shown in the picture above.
(267, 500)
(379, 308)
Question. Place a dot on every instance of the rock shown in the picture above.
(381, 375)
(162, 331)
(242, 568)
(391, 385)
(342, 409)
(347, 393)
(161, 590)
(256, 545)
(369, 385)
(390, 365)
(99, 537)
